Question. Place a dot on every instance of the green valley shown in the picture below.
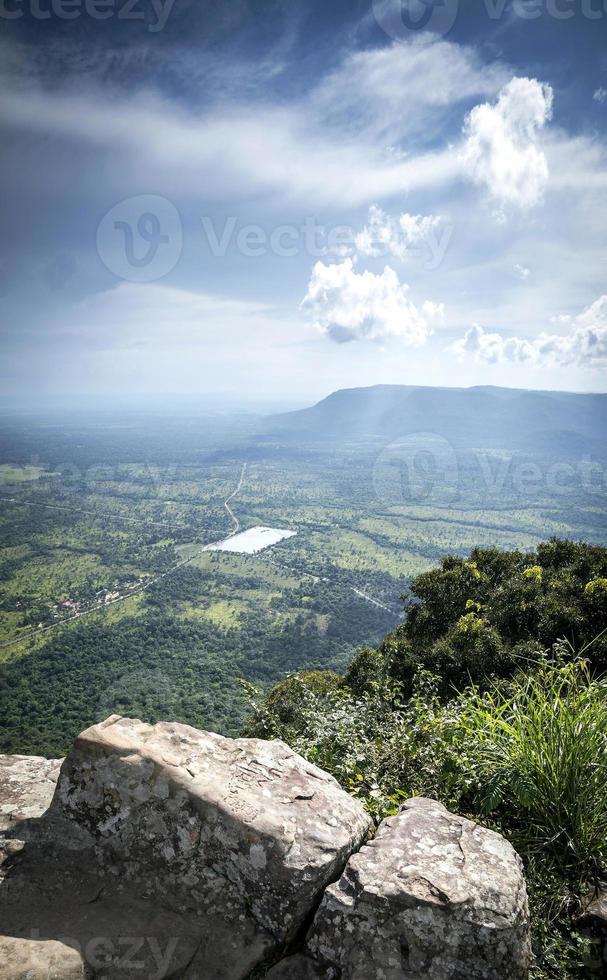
(110, 602)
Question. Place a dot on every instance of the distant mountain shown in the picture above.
(554, 422)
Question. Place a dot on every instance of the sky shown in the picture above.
(267, 201)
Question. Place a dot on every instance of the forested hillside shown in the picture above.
(505, 418)
(490, 697)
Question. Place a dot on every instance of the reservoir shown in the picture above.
(251, 541)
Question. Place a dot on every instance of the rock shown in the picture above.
(27, 784)
(594, 911)
(73, 924)
(172, 853)
(593, 923)
(240, 829)
(297, 967)
(432, 897)
(32, 959)
(62, 921)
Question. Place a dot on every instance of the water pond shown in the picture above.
(251, 541)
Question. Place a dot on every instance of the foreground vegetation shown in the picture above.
(489, 697)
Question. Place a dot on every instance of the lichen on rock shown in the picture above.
(432, 896)
(222, 826)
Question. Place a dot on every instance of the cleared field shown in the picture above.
(19, 474)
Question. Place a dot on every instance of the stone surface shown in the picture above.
(29, 959)
(27, 784)
(58, 918)
(165, 852)
(595, 909)
(432, 897)
(298, 967)
(593, 923)
(227, 827)
(173, 854)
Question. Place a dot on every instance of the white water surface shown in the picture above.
(251, 541)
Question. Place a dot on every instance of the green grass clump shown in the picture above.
(542, 759)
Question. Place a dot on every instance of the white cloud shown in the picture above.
(248, 149)
(501, 151)
(584, 345)
(368, 131)
(345, 305)
(492, 348)
(588, 176)
(600, 95)
(522, 271)
(384, 235)
(403, 89)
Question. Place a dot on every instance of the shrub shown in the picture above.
(472, 650)
(596, 587)
(284, 713)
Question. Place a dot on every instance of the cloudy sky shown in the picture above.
(271, 200)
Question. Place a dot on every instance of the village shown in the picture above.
(73, 608)
(103, 597)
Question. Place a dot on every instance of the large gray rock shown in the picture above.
(432, 897)
(242, 829)
(171, 853)
(116, 937)
(63, 918)
(58, 923)
(27, 784)
(61, 921)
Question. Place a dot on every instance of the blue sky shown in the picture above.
(257, 201)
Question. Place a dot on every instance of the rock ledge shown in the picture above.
(167, 852)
